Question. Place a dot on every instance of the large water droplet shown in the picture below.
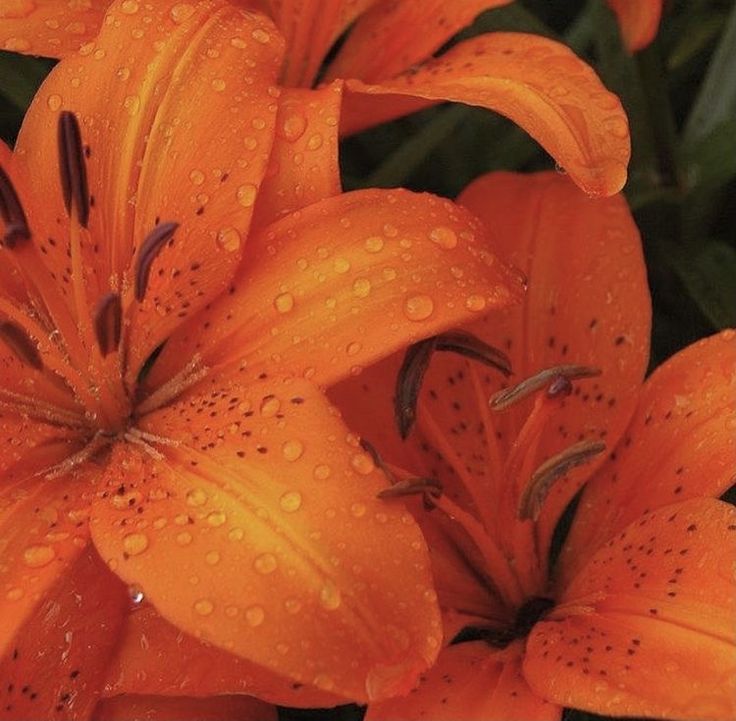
(270, 406)
(444, 237)
(135, 543)
(418, 307)
(229, 239)
(129, 7)
(292, 449)
(255, 615)
(181, 12)
(216, 519)
(291, 501)
(37, 556)
(284, 302)
(196, 497)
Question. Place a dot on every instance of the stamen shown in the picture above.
(150, 249)
(21, 345)
(409, 382)
(188, 376)
(72, 167)
(99, 441)
(108, 323)
(553, 377)
(416, 362)
(430, 488)
(542, 480)
(12, 213)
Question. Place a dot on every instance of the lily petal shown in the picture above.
(182, 708)
(687, 414)
(470, 682)
(74, 629)
(42, 534)
(266, 504)
(310, 28)
(646, 628)
(303, 167)
(196, 75)
(157, 659)
(53, 28)
(638, 20)
(406, 32)
(308, 295)
(538, 83)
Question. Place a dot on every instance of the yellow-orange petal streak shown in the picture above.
(646, 628)
(155, 658)
(187, 76)
(538, 83)
(310, 27)
(588, 303)
(393, 36)
(53, 28)
(303, 167)
(680, 444)
(342, 283)
(639, 20)
(73, 631)
(183, 708)
(470, 682)
(259, 531)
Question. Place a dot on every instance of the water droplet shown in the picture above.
(362, 463)
(184, 538)
(14, 594)
(270, 406)
(444, 237)
(418, 307)
(291, 501)
(246, 195)
(315, 142)
(135, 543)
(284, 302)
(236, 534)
(129, 7)
(37, 556)
(265, 563)
(358, 510)
(212, 558)
(475, 302)
(182, 12)
(324, 682)
(136, 594)
(216, 519)
(229, 239)
(204, 607)
(374, 244)
(196, 497)
(261, 36)
(255, 615)
(293, 127)
(329, 596)
(341, 265)
(218, 85)
(361, 287)
(197, 177)
(322, 471)
(231, 611)
(353, 348)
(17, 9)
(54, 101)
(292, 450)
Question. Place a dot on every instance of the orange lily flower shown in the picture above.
(639, 21)
(211, 481)
(536, 82)
(637, 616)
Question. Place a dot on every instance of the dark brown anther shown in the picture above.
(108, 320)
(12, 213)
(554, 379)
(560, 386)
(409, 383)
(20, 344)
(468, 345)
(150, 248)
(72, 167)
(542, 480)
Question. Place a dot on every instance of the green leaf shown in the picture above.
(20, 77)
(716, 101)
(710, 162)
(710, 278)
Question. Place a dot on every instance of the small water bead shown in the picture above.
(362, 463)
(418, 307)
(135, 543)
(374, 244)
(54, 101)
(218, 85)
(292, 606)
(136, 595)
(270, 406)
(255, 615)
(358, 510)
(216, 519)
(291, 501)
(323, 682)
(292, 450)
(283, 302)
(444, 237)
(196, 497)
(293, 127)
(361, 287)
(236, 534)
(330, 597)
(261, 36)
(14, 594)
(197, 177)
(265, 563)
(475, 302)
(204, 607)
(315, 142)
(231, 611)
(229, 239)
(129, 7)
(181, 12)
(132, 104)
(322, 471)
(341, 265)
(353, 348)
(37, 556)
(212, 558)
(184, 538)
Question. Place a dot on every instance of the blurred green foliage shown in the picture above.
(680, 95)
